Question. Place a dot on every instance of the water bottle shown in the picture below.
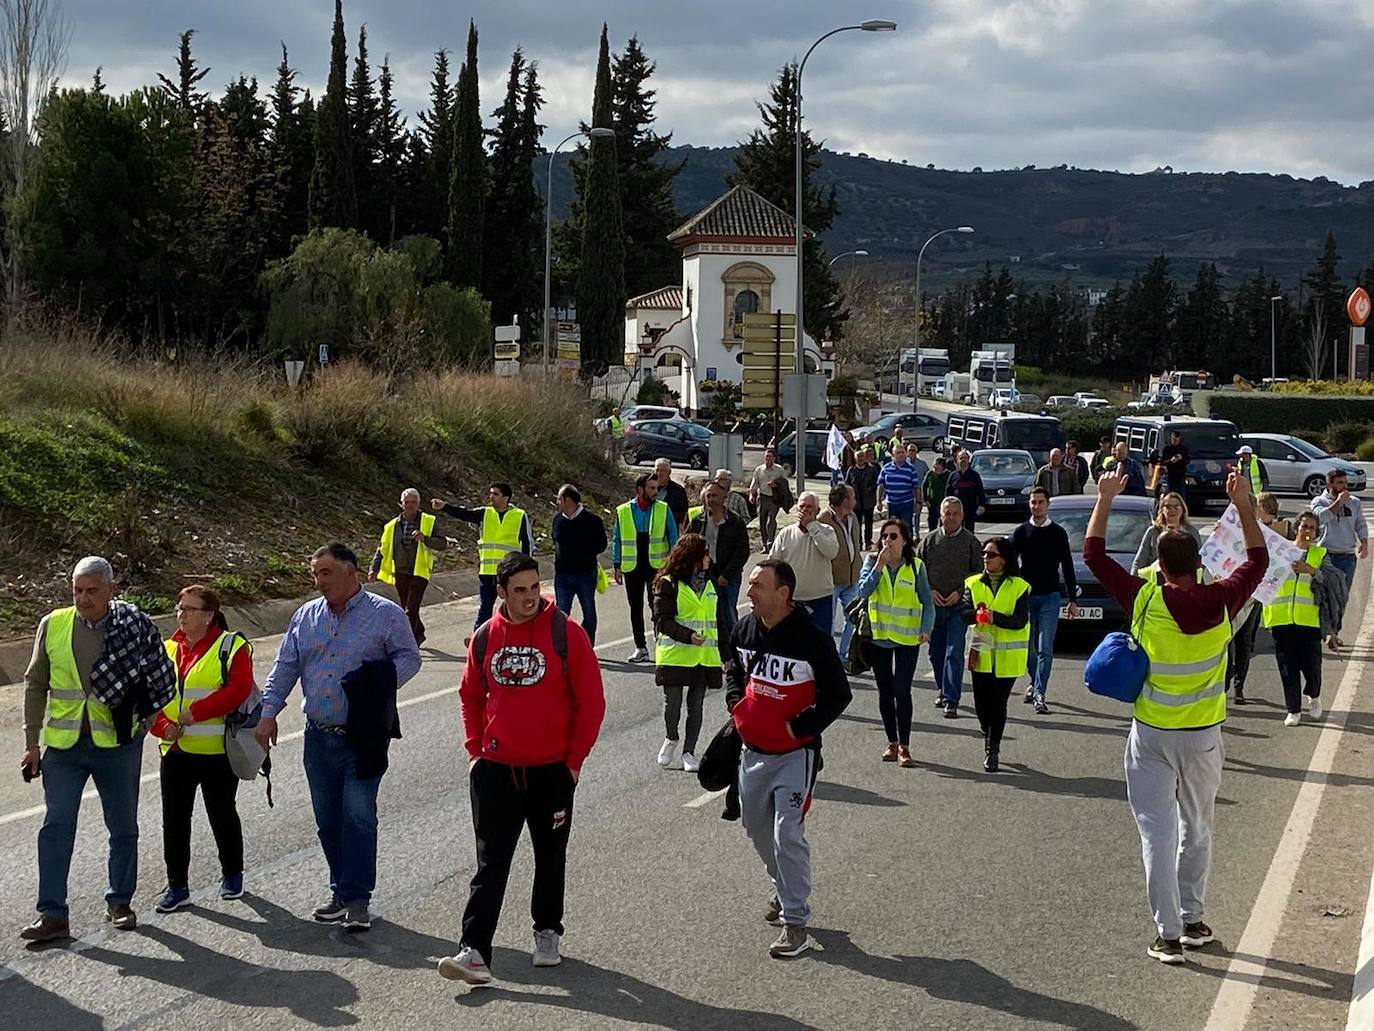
(982, 634)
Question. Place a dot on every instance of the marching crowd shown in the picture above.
(101, 677)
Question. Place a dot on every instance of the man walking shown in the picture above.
(863, 478)
(405, 557)
(763, 493)
(735, 500)
(344, 631)
(1077, 463)
(727, 545)
(529, 725)
(897, 486)
(809, 547)
(1174, 458)
(1042, 551)
(966, 484)
(951, 555)
(97, 669)
(644, 532)
(579, 538)
(1101, 457)
(1056, 478)
(1121, 463)
(934, 490)
(671, 493)
(844, 567)
(1344, 534)
(919, 471)
(505, 528)
(1175, 751)
(784, 685)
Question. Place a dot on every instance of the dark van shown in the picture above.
(1038, 434)
(1212, 445)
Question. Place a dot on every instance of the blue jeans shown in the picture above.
(1345, 563)
(1044, 621)
(823, 614)
(947, 652)
(727, 610)
(65, 772)
(345, 814)
(486, 599)
(906, 513)
(582, 586)
(841, 600)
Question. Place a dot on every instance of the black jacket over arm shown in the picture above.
(732, 545)
(372, 717)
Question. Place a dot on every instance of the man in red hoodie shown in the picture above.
(532, 705)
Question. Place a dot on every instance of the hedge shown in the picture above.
(1280, 413)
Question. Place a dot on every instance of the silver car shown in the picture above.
(1296, 466)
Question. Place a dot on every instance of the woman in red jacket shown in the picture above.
(214, 677)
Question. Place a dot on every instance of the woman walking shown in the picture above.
(214, 677)
(997, 603)
(1294, 620)
(1172, 515)
(902, 614)
(688, 654)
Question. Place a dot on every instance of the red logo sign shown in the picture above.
(1358, 306)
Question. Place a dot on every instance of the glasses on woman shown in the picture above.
(190, 608)
(992, 554)
(891, 537)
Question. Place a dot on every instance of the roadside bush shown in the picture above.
(1365, 452)
(1317, 437)
(1344, 437)
(1257, 412)
(1088, 425)
(1339, 388)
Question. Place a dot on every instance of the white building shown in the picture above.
(738, 257)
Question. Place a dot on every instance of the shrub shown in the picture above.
(1317, 437)
(1344, 437)
(1088, 425)
(1258, 412)
(1365, 452)
(1335, 388)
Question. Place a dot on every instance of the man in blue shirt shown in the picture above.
(327, 639)
(897, 484)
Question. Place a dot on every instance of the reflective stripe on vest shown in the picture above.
(500, 537)
(1005, 654)
(424, 558)
(1294, 604)
(67, 700)
(697, 612)
(1186, 683)
(894, 608)
(658, 535)
(1256, 480)
(202, 680)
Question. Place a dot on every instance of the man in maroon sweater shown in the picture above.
(531, 716)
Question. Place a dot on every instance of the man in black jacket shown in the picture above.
(671, 492)
(579, 538)
(1042, 551)
(863, 477)
(727, 542)
(784, 686)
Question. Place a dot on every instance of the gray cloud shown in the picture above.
(1255, 85)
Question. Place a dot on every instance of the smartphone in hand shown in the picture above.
(29, 772)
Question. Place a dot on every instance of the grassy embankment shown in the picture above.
(212, 471)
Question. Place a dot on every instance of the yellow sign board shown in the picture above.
(763, 318)
(508, 350)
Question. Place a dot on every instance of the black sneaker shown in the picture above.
(1165, 951)
(1196, 935)
(951, 711)
(731, 813)
(773, 914)
(941, 701)
(1240, 698)
(990, 763)
(330, 912)
(1030, 696)
(357, 918)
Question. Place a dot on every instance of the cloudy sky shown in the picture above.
(1252, 85)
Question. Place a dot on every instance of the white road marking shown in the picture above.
(702, 799)
(1362, 992)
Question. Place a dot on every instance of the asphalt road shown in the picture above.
(944, 897)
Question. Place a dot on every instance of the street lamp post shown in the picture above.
(1273, 349)
(917, 333)
(872, 25)
(846, 254)
(598, 133)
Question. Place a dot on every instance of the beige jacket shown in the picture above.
(844, 567)
(809, 554)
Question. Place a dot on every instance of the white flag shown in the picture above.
(834, 447)
(1225, 551)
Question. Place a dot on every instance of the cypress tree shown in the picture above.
(513, 233)
(601, 271)
(391, 153)
(468, 185)
(1324, 284)
(363, 116)
(333, 196)
(293, 155)
(431, 154)
(183, 90)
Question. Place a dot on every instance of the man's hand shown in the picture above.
(1072, 611)
(922, 638)
(576, 775)
(174, 732)
(1238, 489)
(437, 504)
(416, 536)
(1302, 567)
(618, 576)
(698, 640)
(1363, 550)
(187, 719)
(30, 759)
(722, 583)
(1112, 485)
(472, 762)
(266, 732)
(1341, 499)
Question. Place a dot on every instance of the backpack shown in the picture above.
(246, 757)
(560, 645)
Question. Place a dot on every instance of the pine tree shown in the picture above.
(510, 267)
(433, 143)
(189, 75)
(766, 163)
(363, 118)
(293, 157)
(467, 195)
(1147, 337)
(601, 268)
(1202, 322)
(333, 194)
(391, 153)
(1108, 326)
(1324, 286)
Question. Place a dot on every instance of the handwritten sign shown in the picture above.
(1225, 551)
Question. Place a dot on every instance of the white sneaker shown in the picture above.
(1314, 708)
(666, 753)
(690, 763)
(639, 655)
(546, 949)
(1292, 719)
(466, 966)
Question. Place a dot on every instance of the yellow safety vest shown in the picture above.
(658, 535)
(1256, 480)
(202, 680)
(697, 612)
(1186, 685)
(424, 558)
(1294, 604)
(695, 511)
(894, 609)
(500, 536)
(617, 427)
(68, 702)
(1006, 655)
(1153, 572)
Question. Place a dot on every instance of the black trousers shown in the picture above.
(866, 520)
(1298, 652)
(410, 589)
(636, 588)
(505, 799)
(893, 671)
(181, 774)
(1242, 646)
(672, 713)
(990, 696)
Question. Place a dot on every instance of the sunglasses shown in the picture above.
(892, 536)
(191, 608)
(992, 554)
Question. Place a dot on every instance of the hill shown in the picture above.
(1043, 223)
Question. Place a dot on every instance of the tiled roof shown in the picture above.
(667, 298)
(739, 213)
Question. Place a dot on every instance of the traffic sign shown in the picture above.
(506, 334)
(507, 350)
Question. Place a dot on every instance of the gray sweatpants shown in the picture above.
(774, 795)
(1172, 777)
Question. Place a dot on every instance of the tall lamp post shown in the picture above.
(598, 133)
(872, 25)
(846, 254)
(1273, 349)
(917, 334)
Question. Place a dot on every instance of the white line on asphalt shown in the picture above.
(701, 800)
(1236, 997)
(1362, 992)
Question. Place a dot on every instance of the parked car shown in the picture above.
(1031, 400)
(1003, 397)
(1008, 475)
(1297, 466)
(1022, 431)
(676, 440)
(1097, 610)
(1093, 402)
(1079, 395)
(639, 413)
(1062, 401)
(815, 452)
(928, 431)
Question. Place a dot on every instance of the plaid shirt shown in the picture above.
(133, 659)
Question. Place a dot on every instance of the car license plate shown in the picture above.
(1002, 501)
(1084, 612)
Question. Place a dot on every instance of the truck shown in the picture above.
(990, 367)
(932, 363)
(955, 386)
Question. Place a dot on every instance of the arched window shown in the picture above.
(746, 303)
